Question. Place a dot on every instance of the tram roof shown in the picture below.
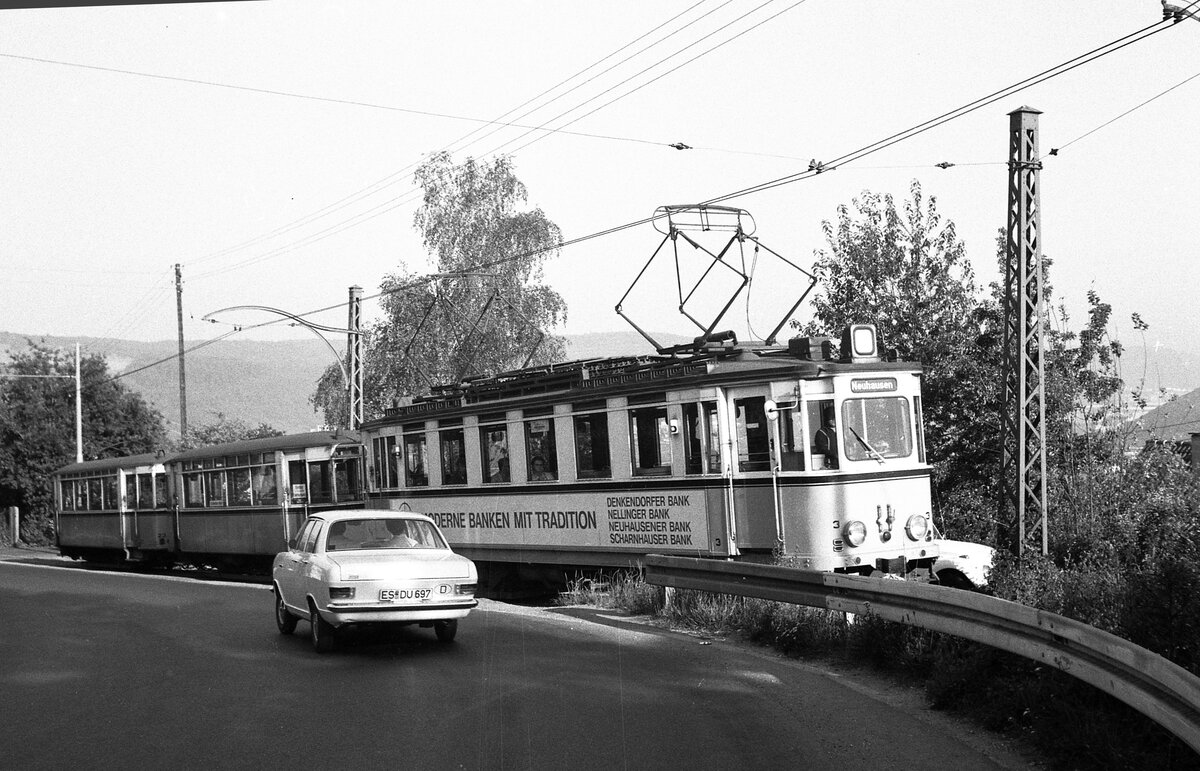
(599, 377)
(264, 444)
(107, 464)
(272, 443)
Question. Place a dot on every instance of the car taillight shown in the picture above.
(465, 588)
(341, 592)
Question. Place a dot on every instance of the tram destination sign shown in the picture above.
(872, 385)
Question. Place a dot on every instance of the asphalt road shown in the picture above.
(107, 670)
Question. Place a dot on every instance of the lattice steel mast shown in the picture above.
(1023, 422)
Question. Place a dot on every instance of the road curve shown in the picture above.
(103, 669)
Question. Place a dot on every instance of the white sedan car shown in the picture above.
(365, 566)
(962, 564)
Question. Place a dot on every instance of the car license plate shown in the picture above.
(393, 595)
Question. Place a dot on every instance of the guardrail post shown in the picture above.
(12, 518)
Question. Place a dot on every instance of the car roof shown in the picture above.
(345, 514)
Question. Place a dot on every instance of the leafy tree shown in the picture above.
(485, 309)
(37, 427)
(225, 429)
(905, 270)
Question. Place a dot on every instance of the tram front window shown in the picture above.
(876, 429)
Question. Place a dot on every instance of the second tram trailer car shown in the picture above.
(232, 505)
(725, 451)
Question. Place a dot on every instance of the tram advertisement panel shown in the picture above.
(658, 521)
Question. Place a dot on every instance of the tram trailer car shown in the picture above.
(724, 451)
(232, 505)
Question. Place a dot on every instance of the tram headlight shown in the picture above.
(916, 527)
(855, 533)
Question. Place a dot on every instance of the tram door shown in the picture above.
(752, 491)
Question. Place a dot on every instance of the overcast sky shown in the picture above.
(268, 147)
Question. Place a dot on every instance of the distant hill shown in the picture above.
(256, 381)
(270, 382)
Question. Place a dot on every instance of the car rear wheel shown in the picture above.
(445, 630)
(954, 579)
(284, 618)
(322, 631)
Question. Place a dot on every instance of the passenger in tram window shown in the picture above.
(826, 437)
(501, 474)
(539, 473)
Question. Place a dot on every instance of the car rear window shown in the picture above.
(382, 533)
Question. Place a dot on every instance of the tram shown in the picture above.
(717, 449)
(232, 505)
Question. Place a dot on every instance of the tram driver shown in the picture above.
(826, 437)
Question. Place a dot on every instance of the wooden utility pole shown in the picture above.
(183, 426)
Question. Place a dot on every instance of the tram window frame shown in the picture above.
(211, 498)
(347, 482)
(757, 433)
(869, 428)
(240, 486)
(145, 490)
(193, 489)
(587, 444)
(649, 435)
(701, 449)
(791, 451)
(454, 468)
(321, 489)
(541, 445)
(267, 479)
(815, 410)
(416, 460)
(487, 442)
(162, 495)
(920, 425)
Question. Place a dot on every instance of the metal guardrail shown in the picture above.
(1154, 686)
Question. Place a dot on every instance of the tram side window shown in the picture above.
(414, 461)
(754, 446)
(95, 497)
(541, 455)
(131, 492)
(320, 483)
(67, 490)
(214, 488)
(822, 436)
(791, 452)
(702, 454)
(650, 440)
(239, 483)
(877, 428)
(111, 496)
(591, 446)
(193, 489)
(494, 441)
(298, 476)
(144, 493)
(346, 475)
(386, 458)
(161, 499)
(454, 458)
(265, 486)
